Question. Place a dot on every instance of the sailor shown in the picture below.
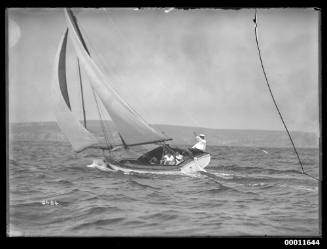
(154, 160)
(178, 158)
(168, 159)
(201, 142)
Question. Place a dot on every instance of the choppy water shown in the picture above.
(247, 191)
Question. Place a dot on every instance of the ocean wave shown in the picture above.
(223, 188)
(224, 175)
(64, 182)
(26, 205)
(100, 210)
(260, 184)
(254, 169)
(100, 222)
(122, 198)
(162, 216)
(301, 187)
(137, 223)
(93, 198)
(217, 190)
(142, 185)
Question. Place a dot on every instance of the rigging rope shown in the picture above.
(101, 122)
(106, 117)
(272, 96)
(103, 125)
(82, 95)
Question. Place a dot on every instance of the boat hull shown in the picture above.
(191, 165)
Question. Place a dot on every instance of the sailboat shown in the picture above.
(132, 129)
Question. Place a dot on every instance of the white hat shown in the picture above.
(201, 135)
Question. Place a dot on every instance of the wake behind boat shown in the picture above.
(132, 129)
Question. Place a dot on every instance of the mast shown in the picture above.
(74, 131)
(82, 95)
(74, 19)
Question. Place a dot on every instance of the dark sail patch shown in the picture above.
(62, 71)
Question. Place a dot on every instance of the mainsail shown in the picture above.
(132, 129)
(78, 136)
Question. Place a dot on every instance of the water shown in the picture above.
(247, 191)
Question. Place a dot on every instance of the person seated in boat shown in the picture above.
(168, 159)
(199, 147)
(154, 160)
(178, 158)
(201, 142)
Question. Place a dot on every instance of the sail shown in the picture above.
(74, 131)
(132, 129)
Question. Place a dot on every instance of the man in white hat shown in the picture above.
(201, 142)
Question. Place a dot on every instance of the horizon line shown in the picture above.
(201, 127)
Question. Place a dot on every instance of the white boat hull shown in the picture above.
(197, 164)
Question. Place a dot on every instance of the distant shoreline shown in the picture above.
(179, 126)
(49, 131)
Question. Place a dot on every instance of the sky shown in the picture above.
(181, 67)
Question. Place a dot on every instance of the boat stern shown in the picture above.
(197, 164)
